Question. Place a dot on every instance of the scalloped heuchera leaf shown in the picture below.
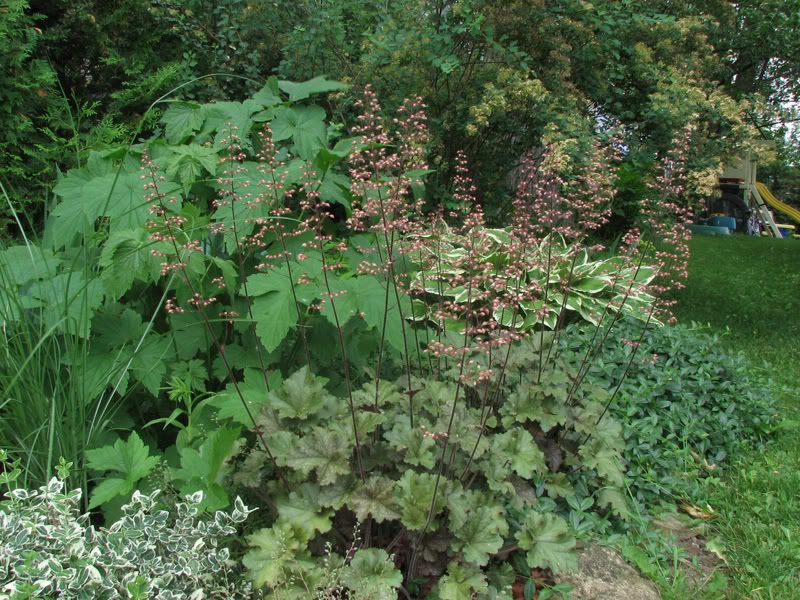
(497, 472)
(336, 495)
(501, 580)
(388, 394)
(514, 451)
(517, 447)
(462, 582)
(609, 430)
(589, 413)
(614, 499)
(414, 493)
(548, 541)
(418, 449)
(558, 486)
(372, 574)
(465, 429)
(543, 402)
(279, 554)
(598, 455)
(324, 451)
(479, 525)
(374, 498)
(367, 422)
(435, 395)
(302, 508)
(301, 395)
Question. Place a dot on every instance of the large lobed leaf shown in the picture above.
(128, 460)
(548, 541)
(372, 575)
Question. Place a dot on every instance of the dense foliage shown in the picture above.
(48, 549)
(497, 80)
(686, 405)
(397, 332)
(443, 353)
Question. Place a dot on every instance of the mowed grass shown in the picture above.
(752, 287)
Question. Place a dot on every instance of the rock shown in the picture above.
(604, 575)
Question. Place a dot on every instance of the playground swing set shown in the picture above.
(746, 205)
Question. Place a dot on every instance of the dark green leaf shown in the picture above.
(317, 85)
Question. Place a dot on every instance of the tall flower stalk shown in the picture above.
(175, 247)
(666, 214)
(381, 183)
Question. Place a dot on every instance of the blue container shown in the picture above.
(728, 222)
(709, 230)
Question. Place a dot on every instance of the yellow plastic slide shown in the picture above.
(770, 199)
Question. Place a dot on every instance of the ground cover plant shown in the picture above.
(276, 303)
(686, 407)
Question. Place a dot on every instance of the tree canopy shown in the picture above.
(500, 79)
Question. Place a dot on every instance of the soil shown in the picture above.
(699, 564)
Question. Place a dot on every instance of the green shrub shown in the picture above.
(48, 549)
(26, 82)
(686, 405)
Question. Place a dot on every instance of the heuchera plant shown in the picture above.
(383, 375)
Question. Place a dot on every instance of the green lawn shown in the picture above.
(752, 286)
